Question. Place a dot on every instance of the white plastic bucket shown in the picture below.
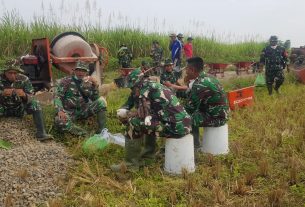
(215, 140)
(179, 155)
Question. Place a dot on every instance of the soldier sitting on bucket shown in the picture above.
(159, 113)
(16, 98)
(207, 102)
(77, 97)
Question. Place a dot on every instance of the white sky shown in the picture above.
(228, 20)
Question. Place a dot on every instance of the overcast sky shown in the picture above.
(228, 20)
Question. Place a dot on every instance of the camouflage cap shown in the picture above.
(189, 38)
(168, 62)
(135, 77)
(82, 66)
(273, 38)
(12, 65)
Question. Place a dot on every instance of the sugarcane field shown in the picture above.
(151, 104)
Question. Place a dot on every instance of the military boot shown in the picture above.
(269, 87)
(195, 133)
(41, 134)
(101, 121)
(150, 144)
(276, 88)
(76, 130)
(132, 156)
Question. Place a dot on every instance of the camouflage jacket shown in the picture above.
(168, 76)
(124, 55)
(163, 104)
(274, 59)
(207, 98)
(156, 53)
(69, 97)
(22, 82)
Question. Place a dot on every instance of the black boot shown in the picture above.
(276, 88)
(41, 134)
(269, 87)
(195, 133)
(101, 121)
(150, 143)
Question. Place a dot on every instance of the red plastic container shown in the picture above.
(241, 97)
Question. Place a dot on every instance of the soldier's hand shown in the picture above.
(62, 116)
(7, 92)
(20, 93)
(93, 80)
(167, 84)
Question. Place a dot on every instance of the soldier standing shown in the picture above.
(16, 98)
(158, 113)
(275, 58)
(156, 53)
(207, 102)
(125, 56)
(77, 97)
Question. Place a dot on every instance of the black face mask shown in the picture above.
(273, 43)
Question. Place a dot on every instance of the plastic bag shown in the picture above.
(94, 144)
(260, 80)
(118, 139)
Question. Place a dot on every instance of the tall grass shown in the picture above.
(16, 36)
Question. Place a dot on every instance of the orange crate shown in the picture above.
(241, 97)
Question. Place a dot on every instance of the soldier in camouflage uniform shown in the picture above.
(159, 113)
(77, 97)
(275, 58)
(156, 53)
(169, 79)
(207, 103)
(125, 56)
(16, 98)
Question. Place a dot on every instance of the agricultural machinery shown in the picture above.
(63, 53)
(297, 61)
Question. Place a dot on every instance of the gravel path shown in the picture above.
(31, 172)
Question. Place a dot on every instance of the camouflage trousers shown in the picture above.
(82, 113)
(276, 76)
(206, 120)
(137, 128)
(18, 110)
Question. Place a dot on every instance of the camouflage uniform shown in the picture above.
(169, 118)
(207, 102)
(15, 105)
(168, 76)
(76, 105)
(124, 55)
(156, 54)
(275, 61)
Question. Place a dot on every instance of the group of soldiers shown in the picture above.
(176, 48)
(158, 112)
(76, 97)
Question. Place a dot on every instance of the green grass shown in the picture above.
(265, 166)
(16, 36)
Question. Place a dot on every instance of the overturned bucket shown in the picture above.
(215, 140)
(179, 155)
